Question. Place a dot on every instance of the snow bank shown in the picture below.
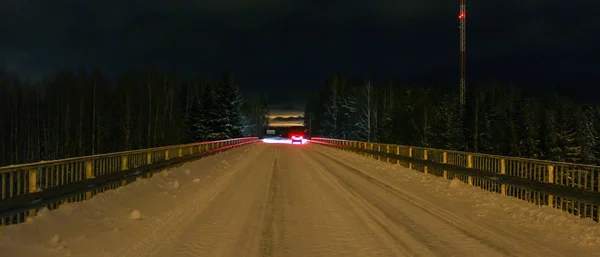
(118, 218)
(545, 221)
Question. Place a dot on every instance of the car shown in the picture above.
(297, 138)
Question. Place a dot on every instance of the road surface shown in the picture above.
(300, 200)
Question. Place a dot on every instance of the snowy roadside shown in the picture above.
(548, 223)
(117, 219)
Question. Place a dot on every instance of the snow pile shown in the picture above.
(175, 184)
(510, 212)
(55, 239)
(135, 215)
(456, 184)
(111, 222)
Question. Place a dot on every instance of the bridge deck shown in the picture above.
(299, 200)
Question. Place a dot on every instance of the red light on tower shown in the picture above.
(461, 15)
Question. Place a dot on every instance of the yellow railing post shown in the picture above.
(387, 150)
(503, 172)
(469, 161)
(124, 162)
(180, 152)
(89, 170)
(149, 157)
(191, 150)
(551, 180)
(33, 181)
(445, 160)
(410, 154)
(166, 155)
(425, 157)
(89, 174)
(470, 165)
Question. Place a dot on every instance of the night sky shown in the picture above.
(286, 49)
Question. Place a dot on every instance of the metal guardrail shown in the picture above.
(26, 179)
(578, 179)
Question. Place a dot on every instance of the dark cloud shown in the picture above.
(288, 48)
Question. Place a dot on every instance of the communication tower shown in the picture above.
(462, 17)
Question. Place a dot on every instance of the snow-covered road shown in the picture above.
(299, 200)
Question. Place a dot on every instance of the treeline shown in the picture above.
(83, 113)
(497, 120)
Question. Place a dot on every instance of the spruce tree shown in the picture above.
(447, 127)
(208, 117)
(588, 135)
(229, 99)
(567, 148)
(528, 131)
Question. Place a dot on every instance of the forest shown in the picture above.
(498, 119)
(84, 113)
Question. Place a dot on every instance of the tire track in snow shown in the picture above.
(376, 220)
(268, 233)
(231, 225)
(398, 218)
(172, 223)
(487, 233)
(329, 227)
(487, 228)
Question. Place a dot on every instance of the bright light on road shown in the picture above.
(280, 140)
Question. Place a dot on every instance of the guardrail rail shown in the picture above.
(28, 179)
(537, 177)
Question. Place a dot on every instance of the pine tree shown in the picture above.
(331, 126)
(385, 128)
(365, 106)
(547, 135)
(402, 112)
(567, 148)
(484, 124)
(447, 130)
(349, 114)
(589, 137)
(596, 128)
(501, 129)
(528, 131)
(208, 117)
(229, 99)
